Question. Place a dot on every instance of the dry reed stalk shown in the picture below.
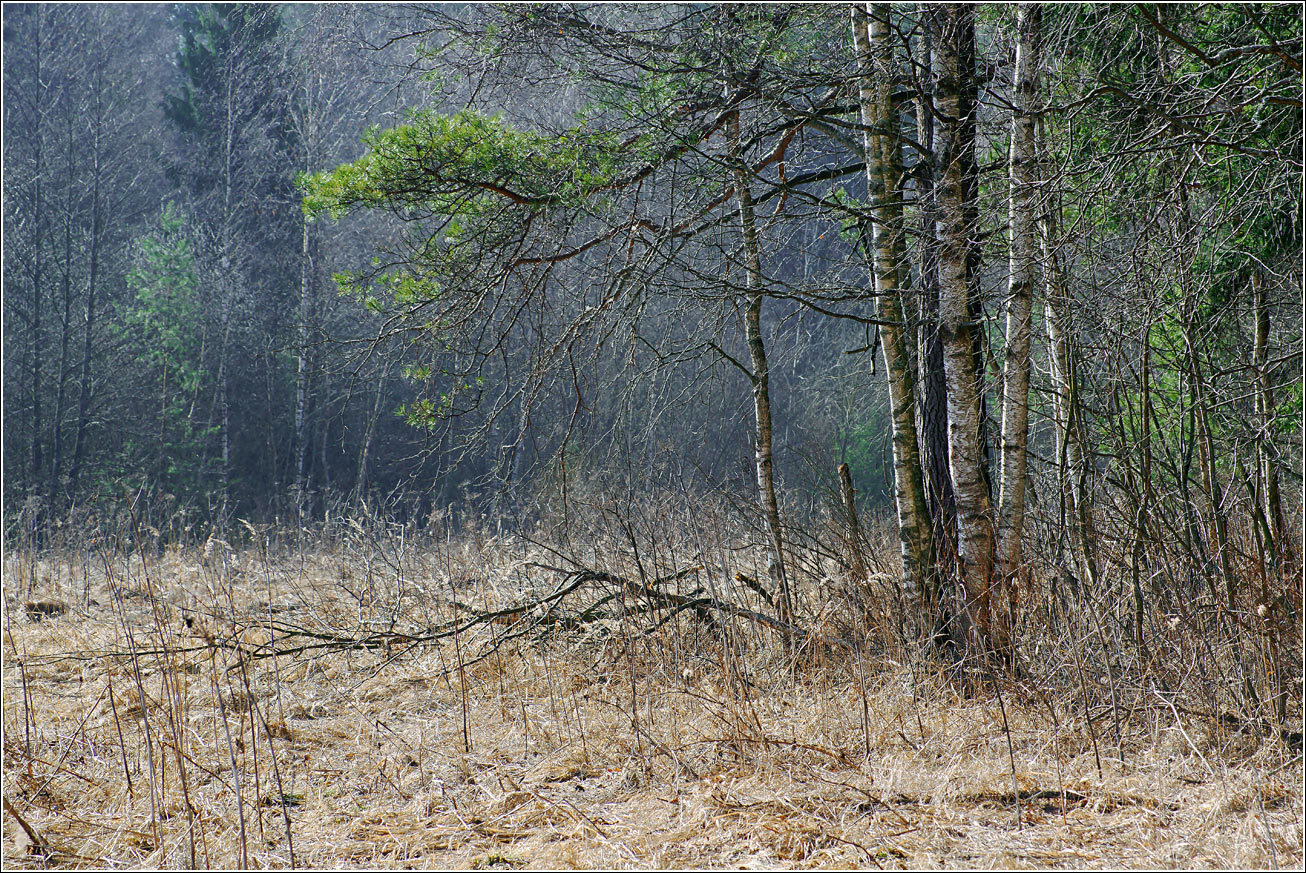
(618, 743)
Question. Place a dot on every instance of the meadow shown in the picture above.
(365, 694)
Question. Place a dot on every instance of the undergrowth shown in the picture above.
(617, 693)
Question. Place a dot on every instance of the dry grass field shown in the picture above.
(284, 702)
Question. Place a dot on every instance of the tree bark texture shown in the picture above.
(967, 454)
(852, 527)
(933, 393)
(884, 178)
(1068, 415)
(761, 378)
(1022, 275)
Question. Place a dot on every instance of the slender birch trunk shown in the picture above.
(306, 116)
(884, 178)
(967, 454)
(1065, 403)
(1067, 409)
(760, 377)
(227, 282)
(301, 368)
(1269, 461)
(361, 482)
(1022, 275)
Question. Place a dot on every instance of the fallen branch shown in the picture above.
(520, 619)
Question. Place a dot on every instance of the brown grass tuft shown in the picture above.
(206, 707)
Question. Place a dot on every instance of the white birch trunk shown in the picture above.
(884, 178)
(965, 380)
(761, 376)
(1067, 413)
(301, 370)
(1023, 272)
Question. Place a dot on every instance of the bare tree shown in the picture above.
(872, 43)
(1023, 275)
(329, 98)
(953, 43)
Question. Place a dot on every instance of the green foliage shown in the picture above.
(222, 47)
(471, 187)
(165, 313)
(463, 165)
(867, 451)
(161, 332)
(466, 183)
(1184, 145)
(1288, 411)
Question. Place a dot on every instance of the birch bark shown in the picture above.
(957, 330)
(1022, 275)
(1067, 410)
(761, 374)
(884, 179)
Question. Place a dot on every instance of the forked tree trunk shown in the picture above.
(1280, 556)
(1269, 460)
(884, 178)
(966, 451)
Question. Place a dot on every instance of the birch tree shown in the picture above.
(883, 149)
(697, 141)
(967, 454)
(327, 91)
(932, 393)
(1022, 276)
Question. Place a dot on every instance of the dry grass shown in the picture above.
(143, 727)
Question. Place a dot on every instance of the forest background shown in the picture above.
(910, 390)
(1073, 286)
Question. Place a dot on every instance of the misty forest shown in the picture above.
(653, 435)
